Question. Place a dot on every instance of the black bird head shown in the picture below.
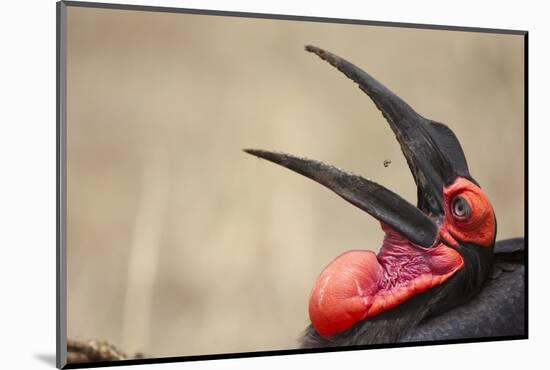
(450, 232)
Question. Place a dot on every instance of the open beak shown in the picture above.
(431, 149)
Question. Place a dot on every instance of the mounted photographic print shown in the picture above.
(235, 184)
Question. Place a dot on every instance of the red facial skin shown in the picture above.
(480, 227)
(360, 284)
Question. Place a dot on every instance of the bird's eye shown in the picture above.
(460, 208)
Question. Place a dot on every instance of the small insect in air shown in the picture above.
(387, 162)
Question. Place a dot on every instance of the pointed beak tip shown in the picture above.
(264, 154)
(315, 50)
(251, 151)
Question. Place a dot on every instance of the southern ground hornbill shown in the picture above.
(439, 274)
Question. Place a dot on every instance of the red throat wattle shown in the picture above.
(360, 284)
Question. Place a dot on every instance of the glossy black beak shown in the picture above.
(431, 149)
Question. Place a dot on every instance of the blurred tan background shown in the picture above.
(181, 244)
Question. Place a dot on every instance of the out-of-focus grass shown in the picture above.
(181, 244)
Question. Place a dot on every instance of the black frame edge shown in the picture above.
(163, 9)
(225, 356)
(526, 176)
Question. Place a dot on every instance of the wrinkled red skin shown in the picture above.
(360, 284)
